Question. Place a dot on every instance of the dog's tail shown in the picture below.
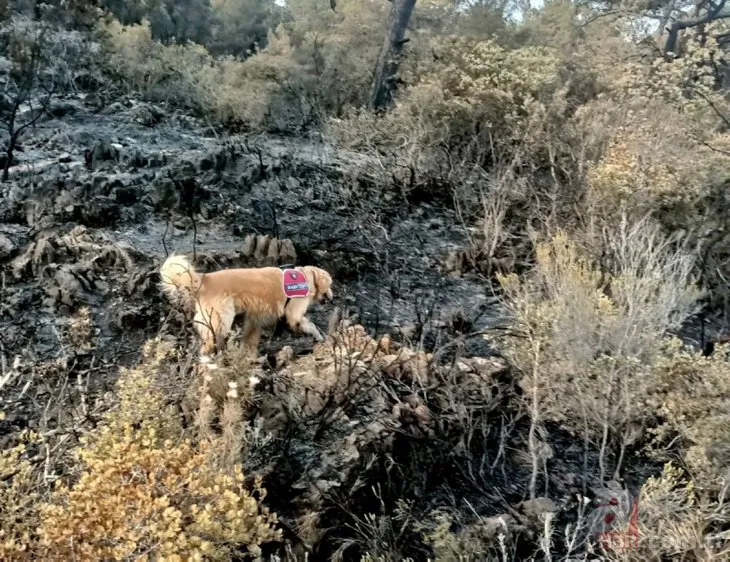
(177, 275)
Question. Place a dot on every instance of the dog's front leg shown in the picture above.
(298, 322)
(306, 326)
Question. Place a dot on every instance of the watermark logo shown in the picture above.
(616, 521)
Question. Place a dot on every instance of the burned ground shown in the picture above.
(96, 201)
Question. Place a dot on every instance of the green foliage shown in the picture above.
(304, 73)
(474, 100)
(694, 403)
(336, 52)
(170, 20)
(678, 520)
(20, 494)
(231, 91)
(553, 25)
(225, 27)
(239, 27)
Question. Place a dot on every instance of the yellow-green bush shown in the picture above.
(316, 64)
(334, 54)
(145, 489)
(666, 143)
(20, 496)
(239, 27)
(595, 357)
(653, 161)
(485, 539)
(693, 400)
(146, 66)
(677, 522)
(148, 498)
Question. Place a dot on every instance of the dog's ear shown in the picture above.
(324, 283)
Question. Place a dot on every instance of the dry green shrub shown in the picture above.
(661, 130)
(595, 358)
(239, 27)
(147, 66)
(654, 161)
(245, 93)
(316, 64)
(170, 20)
(587, 337)
(284, 84)
(554, 25)
(682, 513)
(234, 27)
(666, 142)
(492, 128)
(146, 490)
(340, 45)
(485, 539)
(334, 54)
(694, 402)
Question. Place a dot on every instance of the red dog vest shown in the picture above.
(295, 283)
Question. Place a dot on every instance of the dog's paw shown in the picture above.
(318, 337)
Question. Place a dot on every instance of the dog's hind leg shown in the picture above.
(251, 335)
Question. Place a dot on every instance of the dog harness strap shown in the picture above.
(283, 268)
(314, 280)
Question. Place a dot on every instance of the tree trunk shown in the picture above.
(381, 91)
(6, 167)
(664, 21)
(9, 155)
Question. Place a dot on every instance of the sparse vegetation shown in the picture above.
(39, 66)
(568, 160)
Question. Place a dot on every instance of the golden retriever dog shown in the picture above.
(220, 296)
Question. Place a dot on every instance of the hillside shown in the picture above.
(529, 252)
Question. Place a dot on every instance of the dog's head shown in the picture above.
(322, 282)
